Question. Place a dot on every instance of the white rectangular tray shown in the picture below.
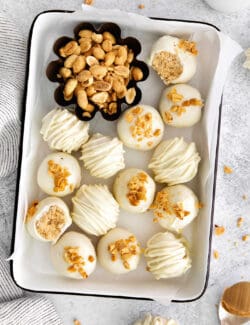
(31, 266)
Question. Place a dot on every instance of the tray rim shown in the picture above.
(22, 121)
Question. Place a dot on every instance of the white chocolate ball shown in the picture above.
(49, 181)
(48, 219)
(188, 61)
(140, 127)
(65, 252)
(104, 253)
(134, 190)
(177, 112)
(175, 207)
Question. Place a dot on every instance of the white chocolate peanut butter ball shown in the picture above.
(174, 59)
(175, 207)
(59, 174)
(118, 251)
(181, 106)
(155, 320)
(140, 127)
(74, 256)
(134, 190)
(48, 219)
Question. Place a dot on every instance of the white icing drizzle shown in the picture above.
(94, 209)
(174, 161)
(64, 131)
(167, 255)
(103, 156)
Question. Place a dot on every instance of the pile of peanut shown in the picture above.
(97, 72)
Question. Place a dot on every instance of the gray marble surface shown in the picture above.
(234, 261)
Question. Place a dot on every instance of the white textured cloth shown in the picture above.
(16, 308)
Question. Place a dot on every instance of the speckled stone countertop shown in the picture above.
(234, 254)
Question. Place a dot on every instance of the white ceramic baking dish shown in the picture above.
(31, 266)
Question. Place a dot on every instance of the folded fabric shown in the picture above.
(16, 308)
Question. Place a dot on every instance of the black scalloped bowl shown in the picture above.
(54, 66)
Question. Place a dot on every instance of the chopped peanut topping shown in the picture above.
(162, 202)
(219, 230)
(50, 225)
(91, 258)
(244, 197)
(179, 211)
(77, 322)
(88, 2)
(137, 190)
(169, 117)
(174, 96)
(192, 102)
(178, 110)
(199, 205)
(126, 248)
(188, 46)
(239, 222)
(245, 237)
(60, 175)
(143, 127)
(167, 65)
(75, 261)
(141, 6)
(216, 254)
(227, 170)
(31, 211)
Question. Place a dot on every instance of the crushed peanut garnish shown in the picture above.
(77, 322)
(179, 211)
(192, 102)
(50, 225)
(178, 110)
(167, 65)
(227, 170)
(75, 261)
(216, 254)
(199, 205)
(141, 6)
(60, 175)
(188, 46)
(244, 197)
(239, 222)
(91, 258)
(137, 190)
(174, 96)
(162, 202)
(143, 127)
(169, 117)
(245, 237)
(126, 248)
(219, 230)
(88, 2)
(31, 210)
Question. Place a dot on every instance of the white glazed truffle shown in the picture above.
(175, 161)
(157, 320)
(103, 156)
(134, 190)
(167, 255)
(48, 219)
(74, 256)
(63, 131)
(118, 251)
(59, 174)
(175, 207)
(181, 106)
(140, 127)
(174, 59)
(95, 210)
